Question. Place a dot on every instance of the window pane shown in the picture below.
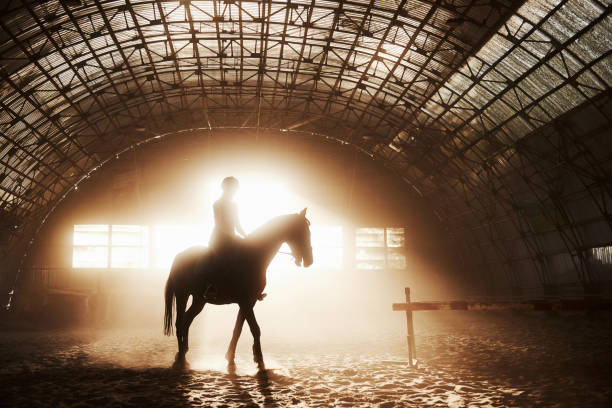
(395, 237)
(370, 258)
(396, 260)
(129, 257)
(601, 255)
(371, 265)
(90, 235)
(134, 235)
(370, 237)
(89, 257)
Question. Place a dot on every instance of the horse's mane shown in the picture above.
(272, 226)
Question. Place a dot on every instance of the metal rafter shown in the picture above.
(438, 89)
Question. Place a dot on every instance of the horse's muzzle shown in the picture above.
(307, 261)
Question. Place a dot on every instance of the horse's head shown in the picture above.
(299, 241)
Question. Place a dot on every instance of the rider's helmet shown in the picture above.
(229, 184)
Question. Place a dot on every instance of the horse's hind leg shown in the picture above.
(196, 307)
(231, 350)
(256, 332)
(181, 304)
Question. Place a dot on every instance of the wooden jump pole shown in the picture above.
(410, 325)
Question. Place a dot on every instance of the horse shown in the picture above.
(238, 275)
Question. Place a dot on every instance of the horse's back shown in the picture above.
(190, 254)
(229, 269)
(186, 261)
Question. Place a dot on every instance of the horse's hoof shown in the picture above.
(180, 362)
(180, 365)
(229, 358)
(183, 365)
(260, 363)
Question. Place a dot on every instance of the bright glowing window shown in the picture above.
(133, 246)
(394, 240)
(380, 248)
(90, 246)
(370, 248)
(601, 256)
(129, 246)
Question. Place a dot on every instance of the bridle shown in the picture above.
(292, 253)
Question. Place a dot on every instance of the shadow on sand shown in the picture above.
(267, 382)
(86, 385)
(95, 386)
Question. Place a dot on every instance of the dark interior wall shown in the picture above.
(539, 209)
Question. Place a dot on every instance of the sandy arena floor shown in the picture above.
(466, 360)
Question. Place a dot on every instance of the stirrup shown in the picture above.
(208, 295)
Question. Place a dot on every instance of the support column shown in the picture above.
(410, 337)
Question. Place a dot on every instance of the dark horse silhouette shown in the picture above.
(238, 275)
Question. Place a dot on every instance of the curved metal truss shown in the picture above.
(445, 91)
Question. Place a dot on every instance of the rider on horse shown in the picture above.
(226, 216)
(224, 240)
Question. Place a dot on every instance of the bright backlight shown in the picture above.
(169, 240)
(134, 246)
(257, 201)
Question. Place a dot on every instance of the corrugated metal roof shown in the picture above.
(438, 90)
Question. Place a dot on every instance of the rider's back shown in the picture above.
(225, 213)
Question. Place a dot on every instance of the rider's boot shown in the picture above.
(210, 293)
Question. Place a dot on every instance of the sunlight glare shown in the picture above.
(258, 201)
(169, 240)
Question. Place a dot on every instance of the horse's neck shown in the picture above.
(270, 252)
(269, 240)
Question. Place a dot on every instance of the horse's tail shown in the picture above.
(169, 296)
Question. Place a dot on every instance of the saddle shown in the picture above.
(213, 258)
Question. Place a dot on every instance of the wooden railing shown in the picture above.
(547, 304)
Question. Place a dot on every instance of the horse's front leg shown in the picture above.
(256, 332)
(231, 350)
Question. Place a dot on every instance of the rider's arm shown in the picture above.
(237, 223)
(240, 230)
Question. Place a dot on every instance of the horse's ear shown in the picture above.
(303, 212)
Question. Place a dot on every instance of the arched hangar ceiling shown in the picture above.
(440, 90)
